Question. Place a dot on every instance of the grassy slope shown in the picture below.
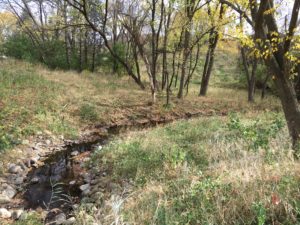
(35, 99)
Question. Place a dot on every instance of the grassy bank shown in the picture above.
(203, 171)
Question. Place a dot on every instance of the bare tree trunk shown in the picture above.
(251, 77)
(67, 44)
(251, 86)
(186, 52)
(136, 60)
(263, 91)
(178, 68)
(192, 69)
(289, 102)
(85, 59)
(297, 82)
(93, 52)
(209, 62)
(164, 63)
(165, 72)
(80, 51)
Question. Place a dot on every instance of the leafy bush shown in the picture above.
(53, 54)
(20, 46)
(256, 134)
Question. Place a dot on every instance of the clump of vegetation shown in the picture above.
(88, 113)
(257, 134)
(31, 218)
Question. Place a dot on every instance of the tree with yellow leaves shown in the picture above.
(277, 48)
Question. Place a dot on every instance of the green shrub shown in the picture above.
(31, 219)
(19, 46)
(256, 134)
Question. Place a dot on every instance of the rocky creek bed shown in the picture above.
(51, 176)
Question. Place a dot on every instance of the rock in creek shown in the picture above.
(4, 199)
(60, 218)
(4, 213)
(13, 168)
(8, 191)
(84, 187)
(74, 153)
(34, 180)
(70, 221)
(35, 159)
(16, 214)
(18, 180)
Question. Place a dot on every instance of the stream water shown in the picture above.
(55, 185)
(50, 186)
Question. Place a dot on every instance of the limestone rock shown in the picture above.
(4, 213)
(60, 218)
(34, 180)
(19, 180)
(74, 153)
(16, 214)
(70, 221)
(9, 192)
(13, 168)
(4, 199)
(84, 187)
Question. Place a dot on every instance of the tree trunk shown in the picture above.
(164, 63)
(186, 52)
(251, 89)
(209, 62)
(67, 44)
(86, 35)
(192, 69)
(251, 77)
(290, 104)
(177, 70)
(93, 52)
(263, 91)
(297, 82)
(165, 73)
(80, 51)
(213, 41)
